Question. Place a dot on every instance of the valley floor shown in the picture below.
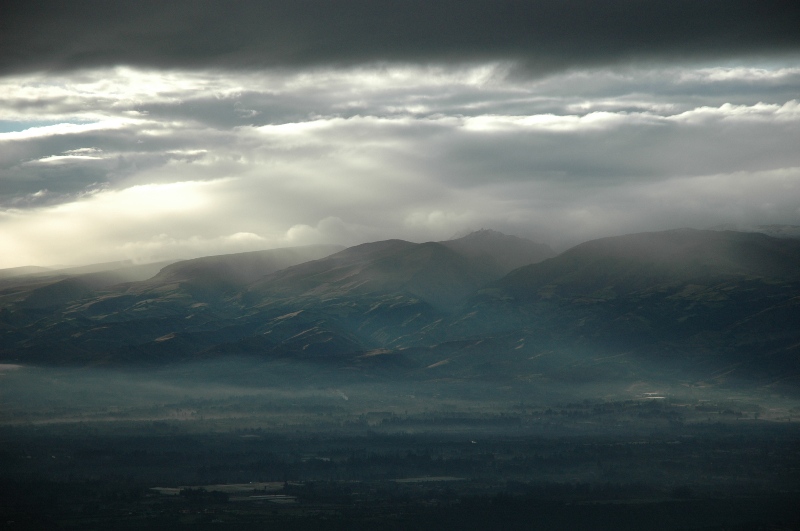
(433, 455)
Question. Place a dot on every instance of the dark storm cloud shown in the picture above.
(543, 35)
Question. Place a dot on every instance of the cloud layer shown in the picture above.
(155, 130)
(154, 164)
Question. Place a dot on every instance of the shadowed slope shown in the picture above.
(177, 313)
(718, 301)
(428, 271)
(55, 288)
(616, 266)
(214, 275)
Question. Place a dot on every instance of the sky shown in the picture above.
(154, 130)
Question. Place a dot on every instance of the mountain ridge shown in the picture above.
(680, 255)
(697, 301)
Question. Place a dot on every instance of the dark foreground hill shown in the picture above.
(693, 306)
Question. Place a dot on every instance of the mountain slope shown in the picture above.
(382, 295)
(621, 265)
(102, 317)
(715, 300)
(22, 271)
(55, 288)
(212, 276)
(429, 271)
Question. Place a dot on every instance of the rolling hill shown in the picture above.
(700, 307)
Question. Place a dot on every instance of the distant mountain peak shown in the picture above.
(486, 233)
(774, 230)
(502, 252)
(479, 234)
(460, 234)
